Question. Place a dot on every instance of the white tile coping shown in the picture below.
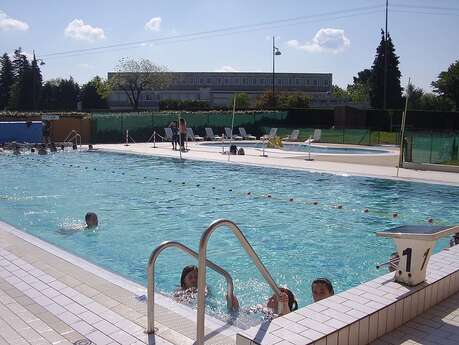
(211, 323)
(363, 313)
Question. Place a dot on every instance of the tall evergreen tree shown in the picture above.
(36, 83)
(6, 80)
(21, 91)
(394, 90)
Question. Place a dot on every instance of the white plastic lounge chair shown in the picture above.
(272, 134)
(210, 135)
(244, 134)
(229, 134)
(315, 137)
(293, 136)
(191, 135)
(168, 132)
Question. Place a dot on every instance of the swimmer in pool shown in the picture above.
(321, 288)
(91, 220)
(188, 290)
(270, 310)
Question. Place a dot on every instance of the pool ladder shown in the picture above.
(73, 135)
(203, 263)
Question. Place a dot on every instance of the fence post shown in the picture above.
(121, 123)
(431, 146)
(343, 135)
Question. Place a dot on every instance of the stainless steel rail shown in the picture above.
(202, 269)
(73, 135)
(151, 278)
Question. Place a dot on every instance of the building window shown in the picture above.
(148, 97)
(315, 82)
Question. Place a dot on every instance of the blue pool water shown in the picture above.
(139, 208)
(305, 148)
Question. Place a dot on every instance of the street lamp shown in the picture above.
(276, 52)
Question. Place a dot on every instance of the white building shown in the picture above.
(217, 88)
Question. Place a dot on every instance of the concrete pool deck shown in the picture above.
(374, 165)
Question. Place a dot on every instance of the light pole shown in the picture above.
(276, 51)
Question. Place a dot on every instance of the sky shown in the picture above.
(331, 36)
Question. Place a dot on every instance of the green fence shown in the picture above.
(111, 127)
(432, 147)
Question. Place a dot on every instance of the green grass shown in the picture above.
(452, 162)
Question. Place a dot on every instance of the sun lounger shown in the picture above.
(272, 134)
(315, 137)
(229, 134)
(244, 134)
(293, 136)
(168, 133)
(210, 135)
(191, 135)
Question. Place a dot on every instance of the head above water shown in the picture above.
(292, 303)
(91, 219)
(189, 277)
(321, 288)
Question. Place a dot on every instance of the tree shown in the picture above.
(447, 84)
(293, 100)
(359, 91)
(242, 101)
(415, 96)
(283, 100)
(92, 94)
(376, 82)
(135, 76)
(21, 92)
(340, 93)
(6, 80)
(36, 83)
(60, 94)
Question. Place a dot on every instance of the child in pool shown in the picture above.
(321, 288)
(271, 309)
(187, 292)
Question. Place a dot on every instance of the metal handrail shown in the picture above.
(151, 279)
(73, 135)
(202, 269)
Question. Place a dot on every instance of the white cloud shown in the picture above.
(226, 69)
(153, 24)
(325, 40)
(78, 30)
(7, 23)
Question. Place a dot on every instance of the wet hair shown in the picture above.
(326, 282)
(185, 271)
(89, 215)
(292, 303)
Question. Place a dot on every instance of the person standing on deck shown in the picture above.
(183, 133)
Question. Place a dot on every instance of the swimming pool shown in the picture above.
(300, 147)
(139, 208)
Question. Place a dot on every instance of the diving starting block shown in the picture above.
(414, 247)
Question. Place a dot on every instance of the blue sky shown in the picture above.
(342, 44)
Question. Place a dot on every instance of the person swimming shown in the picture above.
(321, 288)
(188, 290)
(91, 220)
(270, 309)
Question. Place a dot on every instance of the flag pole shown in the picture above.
(232, 125)
(402, 128)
